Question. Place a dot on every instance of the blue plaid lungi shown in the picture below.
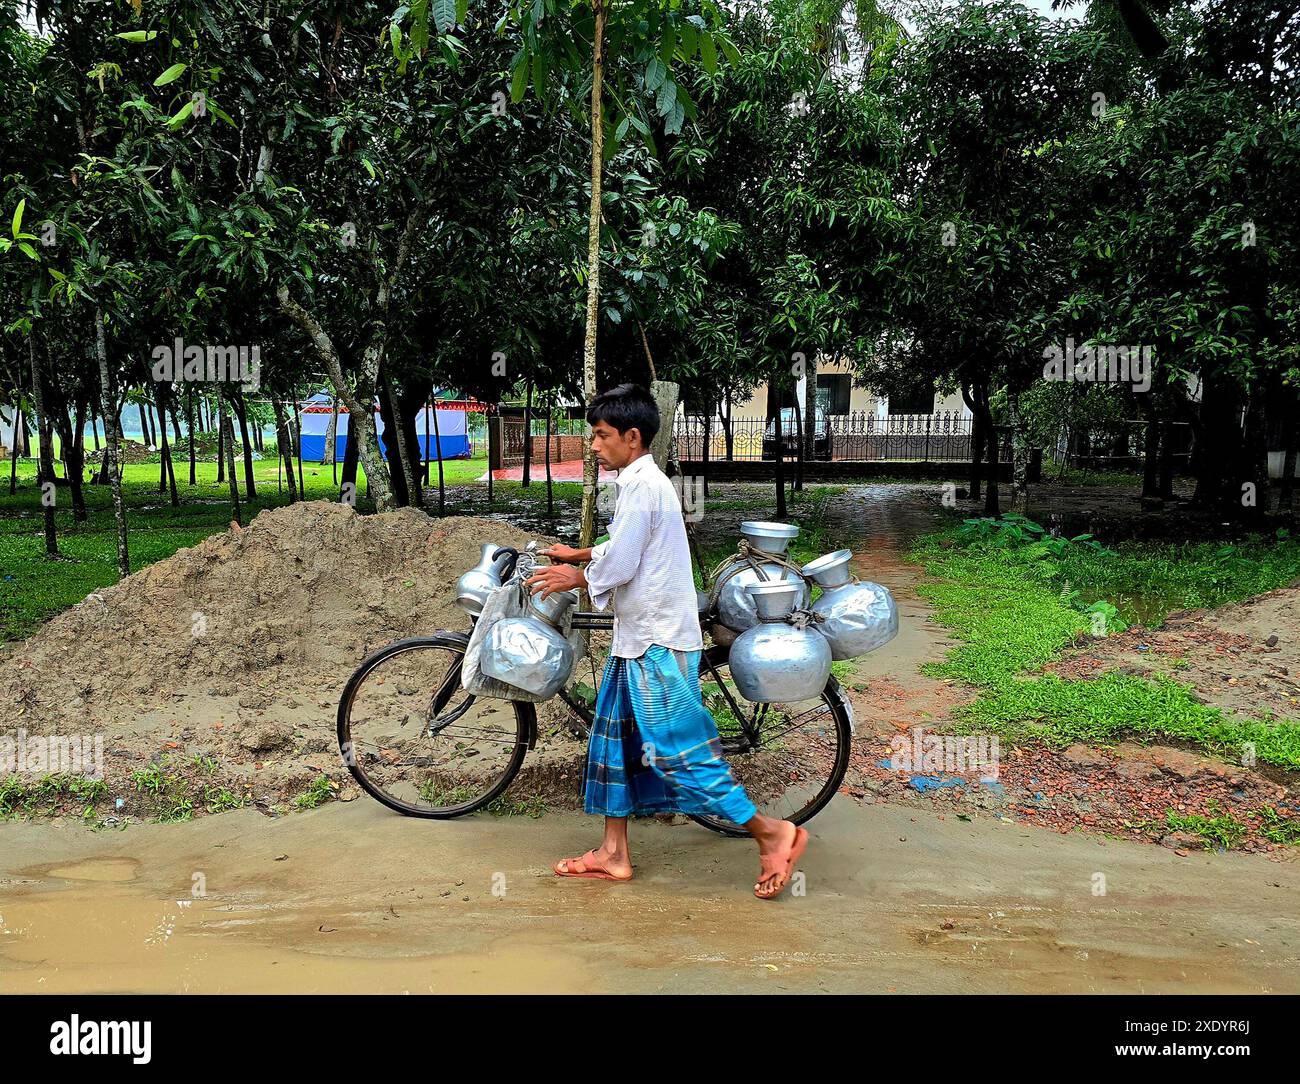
(654, 746)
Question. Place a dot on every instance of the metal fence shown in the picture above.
(1121, 446)
(859, 437)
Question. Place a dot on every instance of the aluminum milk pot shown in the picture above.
(530, 652)
(473, 588)
(857, 617)
(775, 661)
(735, 606)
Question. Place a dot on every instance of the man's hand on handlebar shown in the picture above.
(566, 554)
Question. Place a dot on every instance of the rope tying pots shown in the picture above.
(759, 558)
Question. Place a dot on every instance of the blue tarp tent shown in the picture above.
(452, 438)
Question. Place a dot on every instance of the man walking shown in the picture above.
(654, 747)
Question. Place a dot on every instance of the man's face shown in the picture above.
(613, 449)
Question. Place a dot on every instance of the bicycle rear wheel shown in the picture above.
(790, 758)
(417, 742)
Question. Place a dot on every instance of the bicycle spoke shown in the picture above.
(421, 742)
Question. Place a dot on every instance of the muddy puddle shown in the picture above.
(352, 897)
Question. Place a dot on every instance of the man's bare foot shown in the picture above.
(778, 852)
(598, 863)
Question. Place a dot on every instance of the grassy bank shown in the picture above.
(1016, 598)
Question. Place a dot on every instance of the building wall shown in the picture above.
(861, 400)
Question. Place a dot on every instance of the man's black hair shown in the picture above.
(629, 406)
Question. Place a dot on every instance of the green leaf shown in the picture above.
(668, 45)
(18, 217)
(170, 75)
(444, 14)
(138, 35)
(655, 73)
(519, 81)
(181, 115)
(28, 249)
(666, 98)
(709, 54)
(728, 49)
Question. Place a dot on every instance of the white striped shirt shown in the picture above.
(645, 566)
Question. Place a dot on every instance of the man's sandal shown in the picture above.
(774, 866)
(587, 866)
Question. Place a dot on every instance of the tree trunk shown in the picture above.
(229, 431)
(250, 486)
(408, 399)
(283, 444)
(358, 400)
(351, 456)
(704, 450)
(728, 435)
(589, 465)
(76, 460)
(491, 447)
(162, 458)
(798, 438)
(110, 434)
(774, 401)
(664, 393)
(976, 440)
(1291, 426)
(168, 473)
(395, 445)
(1218, 443)
(189, 423)
(45, 434)
(430, 407)
(528, 436)
(94, 429)
(437, 451)
(221, 450)
(809, 433)
(19, 423)
(295, 431)
(1150, 449)
(550, 492)
(332, 435)
(992, 506)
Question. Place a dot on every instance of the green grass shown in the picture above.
(317, 794)
(1219, 829)
(49, 794)
(168, 795)
(1014, 599)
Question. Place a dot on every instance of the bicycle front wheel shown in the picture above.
(790, 758)
(417, 742)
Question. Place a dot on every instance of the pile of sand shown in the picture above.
(241, 645)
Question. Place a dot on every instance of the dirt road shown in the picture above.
(350, 897)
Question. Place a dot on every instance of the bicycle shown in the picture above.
(429, 749)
